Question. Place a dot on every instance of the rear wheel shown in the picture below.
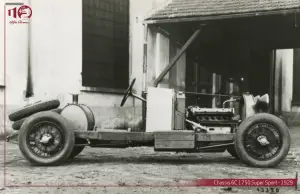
(78, 149)
(231, 150)
(46, 138)
(262, 140)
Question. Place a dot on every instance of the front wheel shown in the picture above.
(262, 140)
(46, 138)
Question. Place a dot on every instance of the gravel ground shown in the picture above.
(137, 170)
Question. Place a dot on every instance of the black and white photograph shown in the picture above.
(149, 96)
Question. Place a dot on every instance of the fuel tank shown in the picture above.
(80, 116)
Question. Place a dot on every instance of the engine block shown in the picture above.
(198, 110)
(210, 114)
(216, 120)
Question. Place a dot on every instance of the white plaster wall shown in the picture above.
(151, 53)
(277, 81)
(57, 63)
(1, 48)
(287, 81)
(159, 56)
(284, 87)
(139, 9)
(16, 58)
(16, 62)
(162, 57)
(1, 71)
(56, 47)
(57, 54)
(56, 57)
(55, 50)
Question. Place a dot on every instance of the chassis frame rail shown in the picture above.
(118, 135)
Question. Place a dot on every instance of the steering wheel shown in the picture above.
(128, 92)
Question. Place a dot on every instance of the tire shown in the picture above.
(66, 136)
(17, 125)
(34, 108)
(269, 122)
(233, 153)
(77, 149)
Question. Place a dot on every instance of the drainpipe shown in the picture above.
(29, 86)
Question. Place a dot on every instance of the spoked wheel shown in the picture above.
(262, 140)
(46, 139)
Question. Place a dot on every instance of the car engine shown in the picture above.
(211, 120)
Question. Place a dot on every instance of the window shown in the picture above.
(105, 44)
(296, 77)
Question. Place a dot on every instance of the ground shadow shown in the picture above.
(153, 159)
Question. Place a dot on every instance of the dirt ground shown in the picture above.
(137, 170)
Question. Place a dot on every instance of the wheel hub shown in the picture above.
(46, 139)
(263, 140)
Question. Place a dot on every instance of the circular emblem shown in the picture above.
(25, 12)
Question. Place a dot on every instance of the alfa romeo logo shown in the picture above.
(20, 14)
(24, 12)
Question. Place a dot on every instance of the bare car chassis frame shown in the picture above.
(258, 138)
